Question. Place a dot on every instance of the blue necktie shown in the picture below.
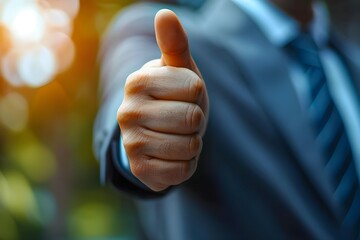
(330, 136)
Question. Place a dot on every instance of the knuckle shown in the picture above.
(122, 114)
(150, 174)
(133, 142)
(194, 117)
(139, 169)
(137, 82)
(196, 87)
(128, 113)
(195, 145)
(183, 172)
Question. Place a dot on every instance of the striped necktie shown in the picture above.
(330, 136)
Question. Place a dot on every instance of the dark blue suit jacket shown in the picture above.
(260, 175)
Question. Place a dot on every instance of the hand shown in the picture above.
(165, 109)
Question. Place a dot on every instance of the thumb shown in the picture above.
(172, 41)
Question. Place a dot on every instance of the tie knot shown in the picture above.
(304, 49)
(304, 42)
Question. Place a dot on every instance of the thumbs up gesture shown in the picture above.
(165, 109)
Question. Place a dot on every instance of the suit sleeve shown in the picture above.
(127, 46)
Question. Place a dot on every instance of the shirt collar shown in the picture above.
(280, 28)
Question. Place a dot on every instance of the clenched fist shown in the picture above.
(165, 109)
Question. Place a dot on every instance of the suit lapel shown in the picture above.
(267, 72)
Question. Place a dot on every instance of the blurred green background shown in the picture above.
(49, 179)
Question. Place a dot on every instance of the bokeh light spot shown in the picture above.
(28, 24)
(48, 205)
(64, 49)
(26, 27)
(92, 219)
(71, 7)
(14, 112)
(9, 68)
(35, 159)
(18, 197)
(58, 21)
(37, 66)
